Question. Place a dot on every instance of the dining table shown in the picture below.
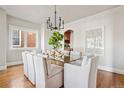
(62, 60)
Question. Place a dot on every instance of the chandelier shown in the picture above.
(57, 24)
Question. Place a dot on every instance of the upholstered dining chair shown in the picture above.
(25, 64)
(93, 72)
(81, 75)
(31, 68)
(47, 76)
(75, 53)
(75, 75)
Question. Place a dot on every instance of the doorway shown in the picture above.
(68, 40)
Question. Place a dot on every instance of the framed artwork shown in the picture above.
(94, 41)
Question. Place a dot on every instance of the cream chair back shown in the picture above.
(76, 76)
(84, 61)
(31, 69)
(41, 71)
(76, 53)
(25, 64)
(93, 72)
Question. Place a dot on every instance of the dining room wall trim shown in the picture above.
(2, 68)
(14, 63)
(111, 69)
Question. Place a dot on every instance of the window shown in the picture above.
(23, 37)
(31, 39)
(18, 39)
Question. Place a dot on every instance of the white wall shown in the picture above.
(44, 37)
(14, 56)
(119, 38)
(2, 39)
(45, 34)
(113, 22)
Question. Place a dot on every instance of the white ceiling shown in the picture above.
(39, 14)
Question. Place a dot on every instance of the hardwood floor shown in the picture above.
(13, 78)
(109, 80)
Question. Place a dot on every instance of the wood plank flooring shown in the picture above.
(13, 78)
(109, 80)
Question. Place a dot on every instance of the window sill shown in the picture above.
(23, 48)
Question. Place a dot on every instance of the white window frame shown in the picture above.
(12, 40)
(25, 30)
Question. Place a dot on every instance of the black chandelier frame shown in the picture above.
(56, 26)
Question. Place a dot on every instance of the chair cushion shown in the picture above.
(53, 70)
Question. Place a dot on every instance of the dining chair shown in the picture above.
(31, 68)
(47, 76)
(25, 64)
(76, 53)
(93, 72)
(81, 75)
(36, 51)
(76, 76)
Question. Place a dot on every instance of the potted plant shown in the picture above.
(55, 41)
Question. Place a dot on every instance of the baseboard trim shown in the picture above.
(14, 63)
(105, 68)
(110, 69)
(2, 68)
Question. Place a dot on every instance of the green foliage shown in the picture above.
(55, 40)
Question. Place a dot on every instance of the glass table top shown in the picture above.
(65, 59)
